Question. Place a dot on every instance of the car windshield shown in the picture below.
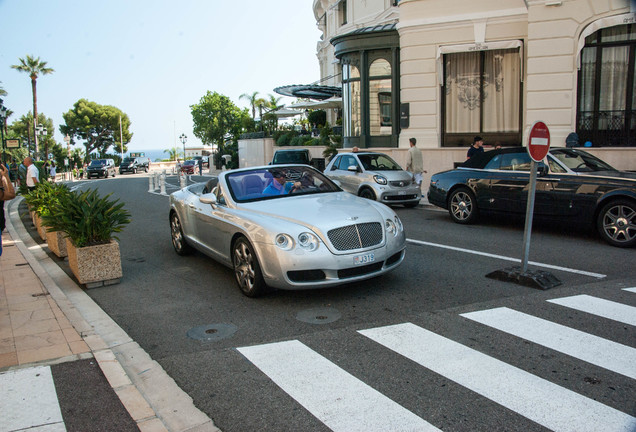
(127, 160)
(98, 162)
(269, 183)
(284, 157)
(580, 161)
(189, 162)
(378, 162)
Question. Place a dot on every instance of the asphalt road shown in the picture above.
(188, 314)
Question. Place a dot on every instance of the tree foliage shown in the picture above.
(216, 118)
(97, 125)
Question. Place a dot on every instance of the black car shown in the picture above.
(101, 168)
(134, 164)
(572, 185)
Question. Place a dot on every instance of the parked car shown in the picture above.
(572, 186)
(101, 168)
(374, 176)
(205, 159)
(291, 156)
(189, 166)
(310, 236)
(134, 164)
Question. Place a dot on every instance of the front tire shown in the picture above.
(367, 193)
(246, 268)
(181, 246)
(616, 223)
(462, 206)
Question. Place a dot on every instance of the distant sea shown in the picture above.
(153, 154)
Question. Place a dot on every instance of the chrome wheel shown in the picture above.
(461, 206)
(246, 269)
(179, 243)
(617, 223)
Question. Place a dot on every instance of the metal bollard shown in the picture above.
(151, 187)
(162, 181)
(182, 180)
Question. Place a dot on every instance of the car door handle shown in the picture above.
(191, 206)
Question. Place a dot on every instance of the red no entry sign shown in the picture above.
(539, 141)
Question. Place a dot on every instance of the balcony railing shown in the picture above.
(607, 128)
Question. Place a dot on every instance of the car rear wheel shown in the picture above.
(617, 223)
(246, 268)
(367, 193)
(179, 243)
(462, 206)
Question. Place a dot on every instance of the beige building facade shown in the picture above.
(443, 71)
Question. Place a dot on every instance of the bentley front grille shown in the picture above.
(356, 236)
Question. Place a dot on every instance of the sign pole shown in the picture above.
(527, 232)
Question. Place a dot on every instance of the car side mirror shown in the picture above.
(353, 168)
(208, 198)
(542, 169)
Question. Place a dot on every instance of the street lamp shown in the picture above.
(3, 116)
(41, 131)
(183, 139)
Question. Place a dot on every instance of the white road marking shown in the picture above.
(28, 401)
(601, 307)
(630, 289)
(592, 349)
(539, 400)
(335, 397)
(505, 258)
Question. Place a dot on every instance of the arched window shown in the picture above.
(380, 112)
(606, 113)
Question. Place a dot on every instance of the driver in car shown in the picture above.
(280, 185)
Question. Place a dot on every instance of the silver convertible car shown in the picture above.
(374, 176)
(287, 227)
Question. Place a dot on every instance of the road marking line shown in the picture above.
(600, 307)
(28, 400)
(592, 349)
(505, 258)
(335, 397)
(539, 400)
(630, 289)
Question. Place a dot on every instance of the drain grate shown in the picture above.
(323, 315)
(212, 332)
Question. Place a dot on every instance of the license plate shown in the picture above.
(363, 259)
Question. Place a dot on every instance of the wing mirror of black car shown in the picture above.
(542, 169)
(208, 198)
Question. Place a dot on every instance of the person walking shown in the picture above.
(32, 174)
(53, 171)
(200, 166)
(415, 162)
(7, 192)
(476, 147)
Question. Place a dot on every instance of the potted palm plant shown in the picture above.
(90, 223)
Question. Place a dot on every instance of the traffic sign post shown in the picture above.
(538, 147)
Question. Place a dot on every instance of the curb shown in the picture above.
(149, 394)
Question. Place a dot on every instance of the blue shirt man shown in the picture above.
(279, 186)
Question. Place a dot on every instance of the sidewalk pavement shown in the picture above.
(47, 319)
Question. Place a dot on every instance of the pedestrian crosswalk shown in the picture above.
(343, 402)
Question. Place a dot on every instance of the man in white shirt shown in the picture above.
(33, 175)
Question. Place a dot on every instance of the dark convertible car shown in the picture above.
(572, 185)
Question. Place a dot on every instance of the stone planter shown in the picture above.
(40, 227)
(57, 243)
(97, 265)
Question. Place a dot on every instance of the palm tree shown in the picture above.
(253, 100)
(173, 152)
(273, 102)
(3, 92)
(34, 67)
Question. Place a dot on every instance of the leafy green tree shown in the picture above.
(22, 129)
(33, 67)
(216, 118)
(97, 125)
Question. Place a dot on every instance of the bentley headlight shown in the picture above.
(390, 227)
(380, 179)
(308, 241)
(398, 223)
(284, 241)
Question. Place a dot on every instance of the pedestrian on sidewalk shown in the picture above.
(33, 174)
(53, 171)
(7, 192)
(415, 162)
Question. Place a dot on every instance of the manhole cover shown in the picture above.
(324, 315)
(212, 332)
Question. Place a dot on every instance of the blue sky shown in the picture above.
(153, 59)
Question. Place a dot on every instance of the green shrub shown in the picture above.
(86, 218)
